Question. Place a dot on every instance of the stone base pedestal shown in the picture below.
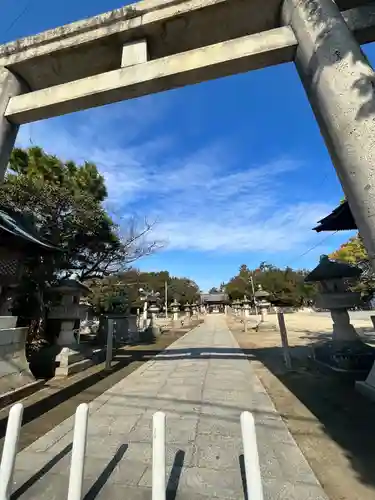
(343, 330)
(72, 360)
(66, 336)
(367, 387)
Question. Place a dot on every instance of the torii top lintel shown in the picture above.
(187, 41)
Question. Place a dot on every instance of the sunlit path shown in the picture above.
(203, 384)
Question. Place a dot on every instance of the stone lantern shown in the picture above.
(64, 319)
(335, 296)
(187, 308)
(154, 309)
(234, 307)
(68, 312)
(262, 299)
(175, 308)
(246, 306)
(194, 309)
(237, 307)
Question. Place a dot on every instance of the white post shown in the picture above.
(109, 352)
(284, 340)
(158, 457)
(10, 449)
(251, 457)
(77, 462)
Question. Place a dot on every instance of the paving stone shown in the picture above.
(217, 427)
(218, 454)
(181, 393)
(212, 482)
(223, 411)
(182, 454)
(276, 489)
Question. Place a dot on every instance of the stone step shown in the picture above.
(71, 368)
(7, 322)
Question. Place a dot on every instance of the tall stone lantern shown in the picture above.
(175, 308)
(334, 295)
(187, 309)
(194, 309)
(246, 306)
(153, 310)
(238, 307)
(262, 299)
(67, 312)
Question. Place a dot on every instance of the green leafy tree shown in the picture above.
(354, 252)
(106, 290)
(286, 286)
(63, 201)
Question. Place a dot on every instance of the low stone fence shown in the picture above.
(14, 368)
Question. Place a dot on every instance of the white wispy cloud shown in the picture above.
(203, 201)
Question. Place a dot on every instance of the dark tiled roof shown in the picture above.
(13, 224)
(340, 219)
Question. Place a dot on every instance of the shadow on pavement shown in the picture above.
(100, 482)
(175, 475)
(42, 472)
(243, 476)
(105, 475)
(345, 415)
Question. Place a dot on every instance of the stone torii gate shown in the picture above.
(156, 45)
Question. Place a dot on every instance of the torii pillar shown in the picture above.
(10, 86)
(339, 83)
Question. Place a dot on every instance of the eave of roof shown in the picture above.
(11, 223)
(340, 219)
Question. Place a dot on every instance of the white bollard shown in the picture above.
(251, 457)
(10, 449)
(77, 462)
(158, 456)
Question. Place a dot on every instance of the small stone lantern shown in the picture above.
(187, 308)
(335, 296)
(175, 308)
(246, 306)
(194, 309)
(154, 309)
(237, 307)
(234, 307)
(261, 296)
(68, 312)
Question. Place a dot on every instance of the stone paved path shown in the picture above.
(203, 383)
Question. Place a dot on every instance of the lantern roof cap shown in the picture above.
(328, 269)
(260, 293)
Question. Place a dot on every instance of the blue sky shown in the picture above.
(234, 171)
